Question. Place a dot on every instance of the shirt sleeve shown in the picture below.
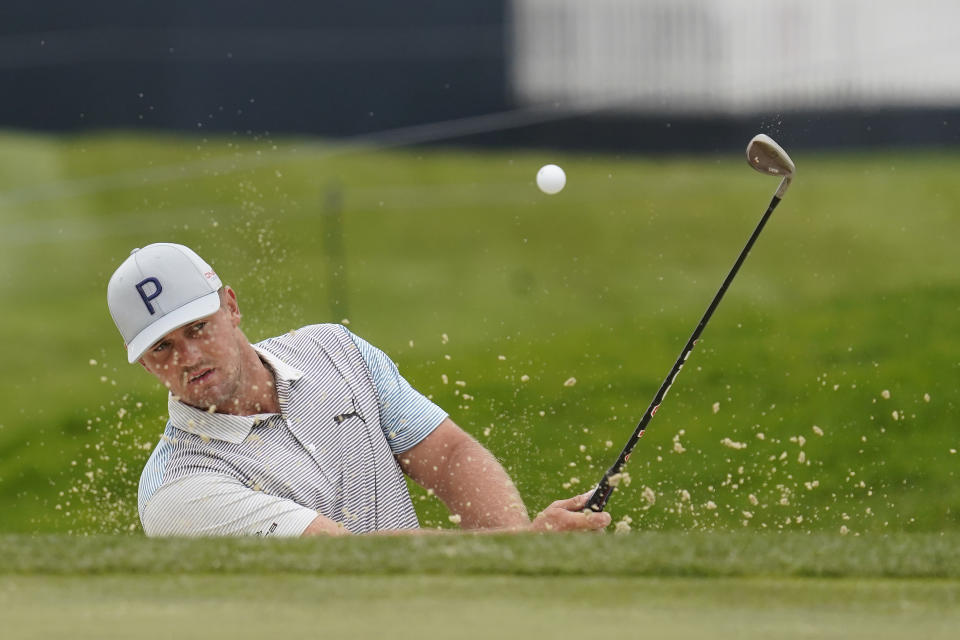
(212, 504)
(407, 416)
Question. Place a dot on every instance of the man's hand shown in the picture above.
(567, 515)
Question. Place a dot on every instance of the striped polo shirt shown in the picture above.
(345, 411)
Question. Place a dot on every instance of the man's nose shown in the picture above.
(189, 353)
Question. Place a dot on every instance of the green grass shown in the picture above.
(683, 585)
(851, 292)
(651, 554)
(450, 607)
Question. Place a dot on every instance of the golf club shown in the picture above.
(766, 156)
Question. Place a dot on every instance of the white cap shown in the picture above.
(158, 289)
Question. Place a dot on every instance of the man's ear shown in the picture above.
(229, 302)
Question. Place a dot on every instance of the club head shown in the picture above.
(766, 156)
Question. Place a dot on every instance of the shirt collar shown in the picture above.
(281, 369)
(224, 426)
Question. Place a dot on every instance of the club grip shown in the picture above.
(600, 496)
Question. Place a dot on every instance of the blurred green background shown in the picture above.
(821, 398)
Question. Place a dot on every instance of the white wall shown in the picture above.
(736, 56)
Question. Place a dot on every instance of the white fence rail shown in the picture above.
(736, 56)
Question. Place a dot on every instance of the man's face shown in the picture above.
(201, 362)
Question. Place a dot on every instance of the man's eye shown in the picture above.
(199, 326)
(160, 347)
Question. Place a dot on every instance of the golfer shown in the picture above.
(307, 433)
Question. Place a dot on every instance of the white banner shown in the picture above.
(735, 56)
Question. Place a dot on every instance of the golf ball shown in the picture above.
(551, 179)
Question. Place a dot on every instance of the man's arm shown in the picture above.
(467, 478)
(324, 526)
(473, 484)
(456, 467)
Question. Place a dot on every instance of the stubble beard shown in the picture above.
(224, 397)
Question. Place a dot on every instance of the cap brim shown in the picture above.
(199, 308)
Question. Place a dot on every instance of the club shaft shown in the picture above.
(603, 491)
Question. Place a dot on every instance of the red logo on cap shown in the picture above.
(210, 274)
